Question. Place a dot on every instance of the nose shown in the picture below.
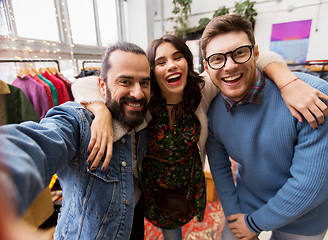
(171, 66)
(136, 92)
(230, 63)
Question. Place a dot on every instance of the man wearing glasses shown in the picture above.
(282, 178)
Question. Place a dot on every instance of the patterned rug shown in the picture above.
(210, 228)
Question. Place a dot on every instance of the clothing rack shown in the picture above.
(89, 61)
(319, 64)
(32, 60)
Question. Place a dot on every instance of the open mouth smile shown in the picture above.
(233, 79)
(174, 79)
(134, 106)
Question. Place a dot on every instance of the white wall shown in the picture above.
(269, 12)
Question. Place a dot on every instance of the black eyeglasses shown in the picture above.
(239, 55)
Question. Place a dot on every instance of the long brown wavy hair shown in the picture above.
(192, 92)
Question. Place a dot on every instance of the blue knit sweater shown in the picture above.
(282, 179)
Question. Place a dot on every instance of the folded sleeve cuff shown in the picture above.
(252, 225)
(86, 90)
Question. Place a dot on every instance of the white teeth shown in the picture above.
(232, 78)
(174, 76)
(134, 104)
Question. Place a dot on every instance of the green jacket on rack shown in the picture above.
(14, 105)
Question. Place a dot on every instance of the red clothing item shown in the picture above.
(60, 86)
(47, 88)
(68, 85)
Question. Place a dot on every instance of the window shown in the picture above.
(4, 31)
(108, 22)
(36, 19)
(82, 20)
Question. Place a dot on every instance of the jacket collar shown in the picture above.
(119, 130)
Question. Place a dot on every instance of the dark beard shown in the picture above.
(118, 112)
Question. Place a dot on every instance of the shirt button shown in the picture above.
(123, 140)
(123, 164)
(127, 202)
(108, 176)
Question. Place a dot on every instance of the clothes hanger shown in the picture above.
(42, 70)
(23, 72)
(52, 70)
(30, 71)
(34, 71)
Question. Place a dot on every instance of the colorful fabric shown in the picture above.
(254, 95)
(60, 86)
(35, 92)
(53, 89)
(210, 228)
(175, 153)
(47, 88)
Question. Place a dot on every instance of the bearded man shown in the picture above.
(98, 202)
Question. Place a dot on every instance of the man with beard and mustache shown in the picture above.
(98, 203)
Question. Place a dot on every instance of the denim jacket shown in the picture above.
(96, 204)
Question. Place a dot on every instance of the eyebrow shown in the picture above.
(130, 77)
(125, 76)
(161, 57)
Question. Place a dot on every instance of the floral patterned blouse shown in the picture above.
(170, 165)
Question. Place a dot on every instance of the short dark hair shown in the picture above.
(123, 46)
(224, 24)
(195, 82)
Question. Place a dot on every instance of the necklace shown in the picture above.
(173, 104)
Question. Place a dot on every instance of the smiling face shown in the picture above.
(234, 80)
(171, 71)
(127, 90)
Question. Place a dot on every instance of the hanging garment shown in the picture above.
(67, 83)
(60, 86)
(52, 88)
(4, 90)
(48, 91)
(35, 93)
(88, 72)
(14, 105)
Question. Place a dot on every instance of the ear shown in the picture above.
(102, 87)
(205, 65)
(256, 52)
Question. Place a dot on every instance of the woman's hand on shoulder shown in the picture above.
(303, 99)
(101, 141)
